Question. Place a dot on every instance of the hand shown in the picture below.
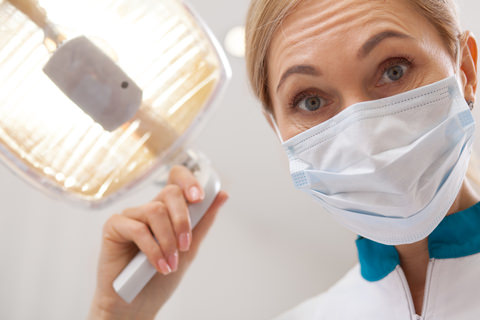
(165, 218)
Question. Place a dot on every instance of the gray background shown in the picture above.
(271, 247)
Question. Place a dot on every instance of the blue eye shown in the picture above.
(393, 73)
(311, 103)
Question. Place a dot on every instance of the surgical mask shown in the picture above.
(389, 169)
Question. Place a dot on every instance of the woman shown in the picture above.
(372, 99)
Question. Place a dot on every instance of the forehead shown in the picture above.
(323, 29)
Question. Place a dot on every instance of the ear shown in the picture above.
(468, 65)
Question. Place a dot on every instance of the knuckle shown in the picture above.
(139, 230)
(155, 208)
(154, 251)
(155, 217)
(166, 244)
(110, 222)
(169, 245)
(128, 211)
(182, 223)
(177, 169)
(172, 190)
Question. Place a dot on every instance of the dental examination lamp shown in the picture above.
(98, 95)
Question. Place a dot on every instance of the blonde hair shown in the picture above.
(265, 16)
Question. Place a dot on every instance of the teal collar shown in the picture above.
(457, 236)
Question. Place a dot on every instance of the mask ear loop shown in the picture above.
(269, 114)
(457, 62)
(458, 59)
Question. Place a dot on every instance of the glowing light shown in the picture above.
(235, 42)
(157, 43)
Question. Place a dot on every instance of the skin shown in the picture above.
(311, 35)
(316, 55)
(123, 235)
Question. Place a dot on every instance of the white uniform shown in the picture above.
(377, 289)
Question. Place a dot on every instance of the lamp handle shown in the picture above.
(32, 9)
(139, 271)
(37, 14)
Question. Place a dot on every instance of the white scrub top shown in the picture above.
(376, 288)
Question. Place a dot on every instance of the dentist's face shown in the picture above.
(330, 54)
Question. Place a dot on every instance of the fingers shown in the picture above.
(156, 217)
(172, 196)
(183, 187)
(131, 230)
(162, 227)
(184, 178)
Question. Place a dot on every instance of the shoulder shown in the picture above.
(325, 305)
(353, 297)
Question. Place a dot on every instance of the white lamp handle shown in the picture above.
(139, 271)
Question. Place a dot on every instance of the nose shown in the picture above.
(352, 97)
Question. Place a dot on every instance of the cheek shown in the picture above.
(288, 127)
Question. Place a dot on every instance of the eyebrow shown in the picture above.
(301, 69)
(377, 39)
(364, 51)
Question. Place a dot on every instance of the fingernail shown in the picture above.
(173, 261)
(195, 193)
(184, 241)
(164, 267)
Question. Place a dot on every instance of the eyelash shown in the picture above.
(303, 95)
(388, 63)
(391, 62)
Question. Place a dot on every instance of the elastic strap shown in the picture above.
(275, 126)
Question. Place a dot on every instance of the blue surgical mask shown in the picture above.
(389, 169)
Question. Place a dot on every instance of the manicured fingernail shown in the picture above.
(164, 267)
(184, 241)
(173, 261)
(195, 193)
